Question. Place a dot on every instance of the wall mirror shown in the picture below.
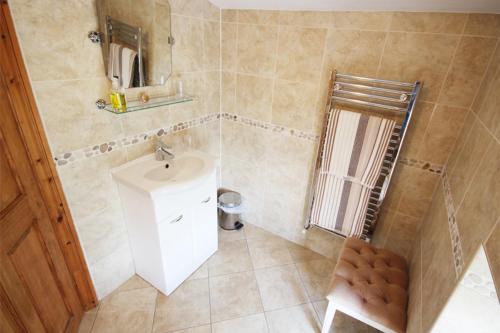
(136, 41)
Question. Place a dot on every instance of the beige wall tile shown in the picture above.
(294, 104)
(257, 46)
(229, 15)
(424, 57)
(402, 234)
(54, 41)
(254, 97)
(461, 140)
(186, 55)
(416, 129)
(488, 113)
(211, 46)
(354, 52)
(483, 25)
(450, 23)
(258, 16)
(443, 130)
(193, 8)
(479, 210)
(306, 18)
(473, 150)
(467, 70)
(70, 118)
(300, 53)
(211, 91)
(229, 46)
(437, 286)
(228, 92)
(489, 77)
(419, 186)
(415, 290)
(362, 20)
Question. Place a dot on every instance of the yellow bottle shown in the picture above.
(117, 97)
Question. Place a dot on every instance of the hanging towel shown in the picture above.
(114, 60)
(128, 61)
(353, 153)
(355, 146)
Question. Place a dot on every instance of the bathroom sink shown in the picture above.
(152, 176)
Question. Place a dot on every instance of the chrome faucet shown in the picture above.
(163, 152)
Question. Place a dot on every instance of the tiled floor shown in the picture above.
(257, 282)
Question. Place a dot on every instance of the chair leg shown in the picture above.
(330, 313)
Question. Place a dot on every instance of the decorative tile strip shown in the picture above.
(114, 145)
(456, 243)
(424, 165)
(269, 126)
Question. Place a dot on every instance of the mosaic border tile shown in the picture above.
(114, 145)
(424, 165)
(456, 243)
(269, 126)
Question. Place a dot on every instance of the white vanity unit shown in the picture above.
(171, 214)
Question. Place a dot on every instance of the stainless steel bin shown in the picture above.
(230, 211)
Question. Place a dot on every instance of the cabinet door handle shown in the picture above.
(177, 219)
(206, 200)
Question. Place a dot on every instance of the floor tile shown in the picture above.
(269, 252)
(251, 324)
(188, 306)
(280, 287)
(126, 311)
(200, 273)
(297, 319)
(130, 300)
(199, 329)
(316, 275)
(231, 235)
(252, 231)
(123, 322)
(135, 282)
(300, 253)
(232, 257)
(342, 322)
(234, 295)
(87, 321)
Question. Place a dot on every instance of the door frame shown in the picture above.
(36, 144)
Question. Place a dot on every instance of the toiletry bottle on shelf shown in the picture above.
(117, 96)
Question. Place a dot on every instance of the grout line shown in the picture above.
(154, 312)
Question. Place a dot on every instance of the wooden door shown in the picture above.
(37, 291)
(39, 294)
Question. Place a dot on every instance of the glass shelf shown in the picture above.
(152, 103)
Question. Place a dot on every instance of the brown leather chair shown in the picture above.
(371, 285)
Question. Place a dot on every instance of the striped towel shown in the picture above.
(353, 154)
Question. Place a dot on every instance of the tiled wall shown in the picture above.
(275, 70)
(465, 211)
(68, 76)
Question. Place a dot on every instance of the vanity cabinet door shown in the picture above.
(177, 248)
(205, 228)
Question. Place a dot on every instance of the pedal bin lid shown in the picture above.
(230, 199)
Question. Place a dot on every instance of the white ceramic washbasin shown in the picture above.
(153, 177)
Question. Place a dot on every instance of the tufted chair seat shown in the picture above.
(370, 285)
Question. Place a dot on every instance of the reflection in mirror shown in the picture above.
(474, 305)
(137, 41)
